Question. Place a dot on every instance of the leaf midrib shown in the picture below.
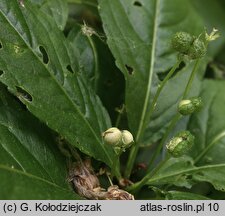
(194, 169)
(26, 149)
(31, 176)
(151, 70)
(68, 98)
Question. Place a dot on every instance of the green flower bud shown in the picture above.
(182, 42)
(112, 136)
(127, 139)
(197, 50)
(189, 106)
(180, 144)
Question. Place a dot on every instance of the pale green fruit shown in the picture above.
(112, 136)
(127, 139)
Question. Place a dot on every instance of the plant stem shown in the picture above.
(134, 150)
(137, 186)
(116, 169)
(120, 113)
(190, 81)
(176, 117)
(206, 149)
(96, 62)
(163, 140)
(161, 86)
(130, 163)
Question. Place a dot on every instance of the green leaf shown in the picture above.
(178, 195)
(31, 165)
(167, 106)
(56, 9)
(85, 50)
(92, 3)
(94, 58)
(208, 126)
(174, 172)
(139, 37)
(181, 172)
(214, 175)
(24, 186)
(36, 65)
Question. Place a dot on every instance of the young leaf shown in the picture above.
(36, 65)
(139, 37)
(31, 165)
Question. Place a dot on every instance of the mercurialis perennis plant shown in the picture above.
(112, 100)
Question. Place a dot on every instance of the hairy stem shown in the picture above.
(134, 150)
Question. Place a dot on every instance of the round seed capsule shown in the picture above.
(180, 144)
(182, 42)
(112, 136)
(189, 106)
(127, 139)
(197, 50)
